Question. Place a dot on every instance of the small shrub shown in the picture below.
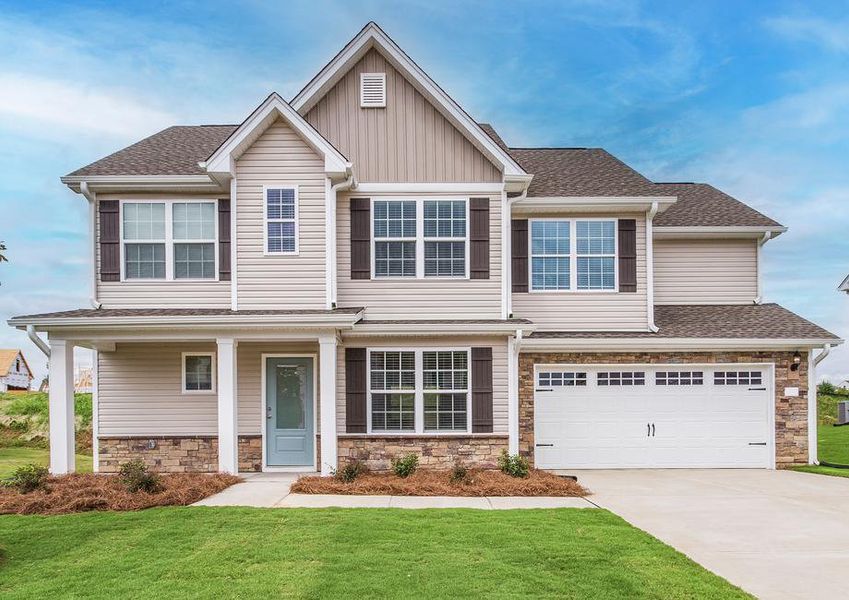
(350, 471)
(27, 478)
(406, 465)
(513, 464)
(459, 473)
(826, 387)
(136, 477)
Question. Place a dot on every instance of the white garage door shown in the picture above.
(641, 416)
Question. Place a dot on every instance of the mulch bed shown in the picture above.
(438, 483)
(86, 492)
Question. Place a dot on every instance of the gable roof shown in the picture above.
(702, 205)
(7, 359)
(372, 36)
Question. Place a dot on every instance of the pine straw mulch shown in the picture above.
(438, 483)
(86, 492)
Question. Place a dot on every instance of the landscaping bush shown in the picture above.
(136, 477)
(406, 465)
(350, 471)
(826, 387)
(459, 473)
(513, 464)
(27, 478)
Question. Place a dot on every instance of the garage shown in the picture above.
(653, 416)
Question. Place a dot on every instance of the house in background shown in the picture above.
(844, 285)
(367, 271)
(15, 373)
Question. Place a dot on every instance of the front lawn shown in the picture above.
(17, 456)
(833, 444)
(820, 470)
(372, 553)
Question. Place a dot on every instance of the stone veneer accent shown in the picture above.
(791, 414)
(435, 452)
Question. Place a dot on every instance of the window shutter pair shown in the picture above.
(627, 255)
(356, 377)
(110, 239)
(478, 238)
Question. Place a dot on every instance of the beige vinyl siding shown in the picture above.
(280, 156)
(140, 389)
(139, 393)
(426, 298)
(705, 271)
(407, 141)
(589, 311)
(158, 294)
(499, 369)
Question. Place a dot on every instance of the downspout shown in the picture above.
(92, 217)
(650, 266)
(763, 240)
(40, 343)
(513, 347)
(330, 243)
(813, 361)
(507, 251)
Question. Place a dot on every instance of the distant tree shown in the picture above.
(3, 252)
(826, 387)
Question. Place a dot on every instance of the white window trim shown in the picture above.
(363, 103)
(420, 392)
(169, 240)
(183, 389)
(573, 256)
(420, 240)
(266, 220)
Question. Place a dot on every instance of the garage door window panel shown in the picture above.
(673, 378)
(738, 378)
(621, 378)
(562, 379)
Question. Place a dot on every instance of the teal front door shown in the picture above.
(289, 406)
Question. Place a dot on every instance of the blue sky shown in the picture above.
(752, 97)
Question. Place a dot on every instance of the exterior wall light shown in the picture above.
(797, 360)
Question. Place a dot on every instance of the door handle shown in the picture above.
(652, 429)
(648, 429)
(268, 412)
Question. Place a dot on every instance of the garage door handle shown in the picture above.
(544, 390)
(757, 443)
(757, 389)
(544, 445)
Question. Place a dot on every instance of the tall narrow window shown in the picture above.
(596, 254)
(392, 377)
(281, 220)
(445, 238)
(446, 390)
(550, 255)
(144, 237)
(395, 238)
(194, 240)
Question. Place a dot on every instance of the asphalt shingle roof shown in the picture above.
(87, 313)
(769, 321)
(702, 205)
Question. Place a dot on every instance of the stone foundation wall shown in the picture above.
(791, 413)
(176, 454)
(434, 452)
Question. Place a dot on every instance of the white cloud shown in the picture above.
(831, 34)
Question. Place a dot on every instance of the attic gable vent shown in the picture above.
(372, 90)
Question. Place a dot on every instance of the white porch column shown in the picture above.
(513, 394)
(61, 407)
(228, 442)
(327, 393)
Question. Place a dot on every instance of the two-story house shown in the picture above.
(366, 271)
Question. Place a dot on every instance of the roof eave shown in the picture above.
(143, 183)
(713, 231)
(441, 329)
(593, 203)
(578, 344)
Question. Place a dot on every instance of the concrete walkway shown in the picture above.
(776, 534)
(271, 490)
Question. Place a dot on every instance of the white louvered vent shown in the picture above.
(372, 90)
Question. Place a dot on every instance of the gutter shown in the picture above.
(813, 361)
(507, 250)
(513, 348)
(40, 343)
(92, 217)
(331, 277)
(761, 241)
(650, 266)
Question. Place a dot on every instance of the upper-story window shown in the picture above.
(559, 265)
(420, 238)
(168, 240)
(281, 220)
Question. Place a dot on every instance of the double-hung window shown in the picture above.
(169, 240)
(577, 254)
(417, 391)
(198, 372)
(420, 238)
(281, 220)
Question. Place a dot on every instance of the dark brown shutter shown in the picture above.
(481, 390)
(110, 240)
(627, 255)
(519, 255)
(224, 239)
(360, 238)
(355, 390)
(479, 238)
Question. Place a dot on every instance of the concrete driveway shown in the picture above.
(776, 534)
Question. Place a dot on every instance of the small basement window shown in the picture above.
(198, 372)
(372, 90)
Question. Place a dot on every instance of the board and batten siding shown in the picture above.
(407, 141)
(158, 294)
(280, 157)
(499, 369)
(589, 311)
(425, 298)
(705, 271)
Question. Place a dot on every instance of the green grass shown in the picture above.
(17, 456)
(833, 444)
(820, 470)
(332, 553)
(34, 406)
